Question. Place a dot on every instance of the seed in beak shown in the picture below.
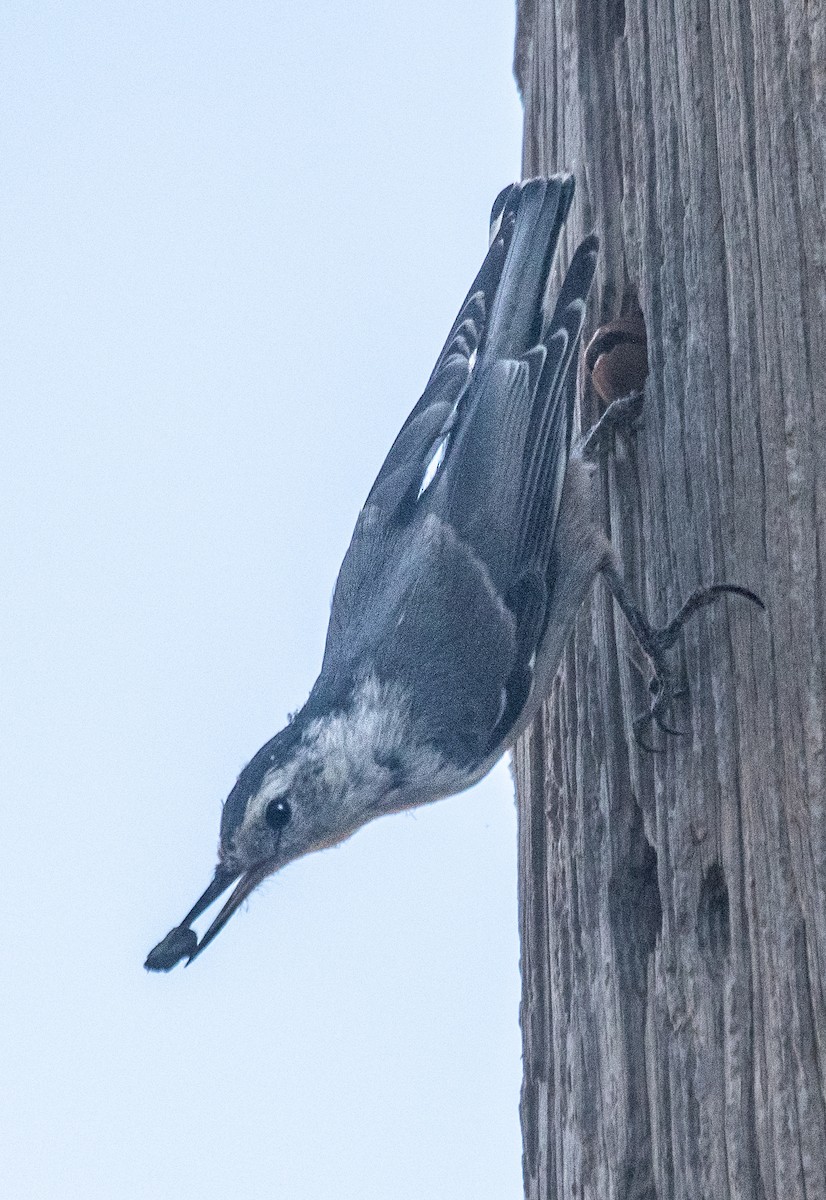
(180, 942)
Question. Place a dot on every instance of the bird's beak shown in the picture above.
(246, 884)
(182, 942)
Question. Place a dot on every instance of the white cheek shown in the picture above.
(276, 784)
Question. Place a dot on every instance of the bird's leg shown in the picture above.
(656, 642)
(621, 416)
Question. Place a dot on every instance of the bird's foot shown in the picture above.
(621, 416)
(663, 694)
(655, 643)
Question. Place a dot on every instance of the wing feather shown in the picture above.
(481, 460)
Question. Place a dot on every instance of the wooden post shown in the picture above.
(673, 906)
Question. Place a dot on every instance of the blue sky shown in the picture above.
(233, 240)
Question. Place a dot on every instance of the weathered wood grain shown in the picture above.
(673, 907)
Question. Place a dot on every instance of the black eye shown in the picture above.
(277, 814)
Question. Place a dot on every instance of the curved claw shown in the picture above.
(622, 415)
(640, 724)
(667, 636)
(665, 697)
(667, 728)
(654, 717)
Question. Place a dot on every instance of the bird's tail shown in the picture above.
(536, 209)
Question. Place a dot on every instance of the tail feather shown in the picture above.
(537, 209)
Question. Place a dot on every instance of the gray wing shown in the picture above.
(407, 460)
(446, 583)
(418, 607)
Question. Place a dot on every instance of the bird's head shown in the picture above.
(313, 785)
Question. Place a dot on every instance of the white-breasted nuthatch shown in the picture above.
(467, 567)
